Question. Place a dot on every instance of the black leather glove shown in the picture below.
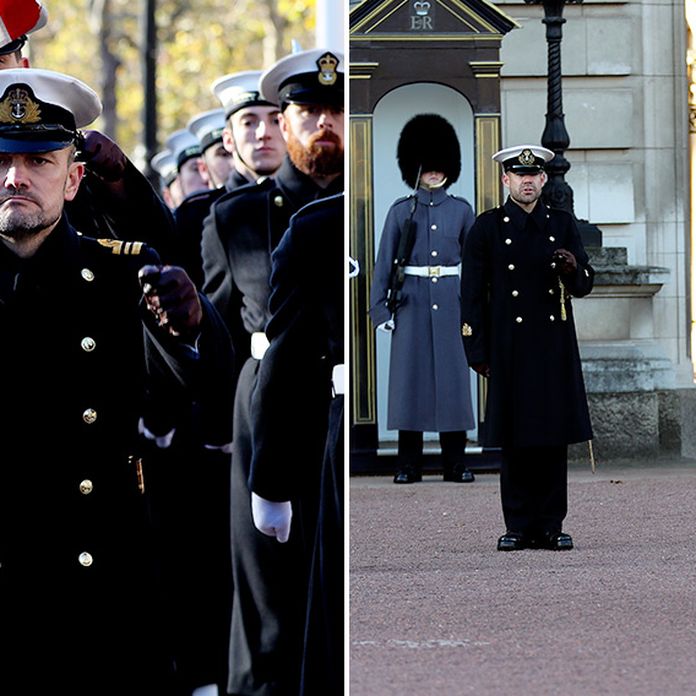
(173, 299)
(103, 156)
(563, 261)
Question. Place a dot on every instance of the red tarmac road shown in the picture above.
(437, 611)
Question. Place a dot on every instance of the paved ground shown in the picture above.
(436, 610)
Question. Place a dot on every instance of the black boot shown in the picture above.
(409, 457)
(408, 474)
(457, 473)
(453, 446)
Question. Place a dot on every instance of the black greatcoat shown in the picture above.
(189, 218)
(512, 320)
(294, 385)
(239, 235)
(81, 591)
(136, 214)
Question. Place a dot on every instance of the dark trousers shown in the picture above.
(410, 448)
(534, 488)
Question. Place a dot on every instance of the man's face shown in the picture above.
(255, 135)
(34, 189)
(525, 189)
(190, 178)
(217, 163)
(13, 60)
(432, 179)
(314, 134)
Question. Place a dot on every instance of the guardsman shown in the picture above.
(305, 333)
(89, 354)
(251, 133)
(429, 388)
(241, 232)
(522, 264)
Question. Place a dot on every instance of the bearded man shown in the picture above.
(240, 233)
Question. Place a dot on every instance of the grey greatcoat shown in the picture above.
(428, 374)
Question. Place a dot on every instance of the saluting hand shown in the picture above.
(564, 261)
(172, 297)
(103, 156)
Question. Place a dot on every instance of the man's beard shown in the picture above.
(19, 226)
(316, 160)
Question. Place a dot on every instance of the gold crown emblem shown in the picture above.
(421, 7)
(327, 69)
(526, 158)
(19, 107)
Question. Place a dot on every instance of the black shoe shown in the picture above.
(512, 541)
(555, 541)
(458, 474)
(408, 475)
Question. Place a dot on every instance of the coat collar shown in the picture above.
(299, 188)
(519, 217)
(432, 196)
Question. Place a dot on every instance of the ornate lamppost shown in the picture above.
(557, 192)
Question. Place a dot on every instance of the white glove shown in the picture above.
(386, 326)
(209, 690)
(271, 518)
(162, 441)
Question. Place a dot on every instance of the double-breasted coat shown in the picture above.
(294, 385)
(239, 235)
(517, 317)
(83, 602)
(429, 388)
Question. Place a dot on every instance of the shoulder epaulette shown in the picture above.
(119, 247)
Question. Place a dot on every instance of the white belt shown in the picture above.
(259, 344)
(433, 271)
(337, 379)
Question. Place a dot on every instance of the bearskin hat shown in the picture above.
(428, 143)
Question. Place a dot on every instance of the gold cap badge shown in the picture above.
(526, 158)
(466, 330)
(327, 64)
(19, 107)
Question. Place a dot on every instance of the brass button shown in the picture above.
(85, 559)
(433, 227)
(278, 201)
(88, 344)
(434, 279)
(515, 293)
(552, 239)
(433, 253)
(435, 306)
(89, 416)
(511, 267)
(552, 318)
(86, 487)
(508, 241)
(551, 292)
(87, 275)
(518, 320)
(506, 219)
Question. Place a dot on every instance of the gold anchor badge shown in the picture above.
(327, 65)
(19, 107)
